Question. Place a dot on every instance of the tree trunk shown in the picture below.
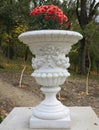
(88, 73)
(82, 57)
(10, 52)
(26, 54)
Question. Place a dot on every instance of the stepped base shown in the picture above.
(82, 118)
(39, 123)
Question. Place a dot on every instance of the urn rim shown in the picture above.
(48, 35)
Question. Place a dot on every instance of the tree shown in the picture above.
(12, 23)
(7, 22)
(15, 19)
(85, 11)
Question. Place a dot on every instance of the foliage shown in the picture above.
(94, 48)
(11, 25)
(73, 55)
(86, 11)
(15, 65)
(15, 19)
(1, 119)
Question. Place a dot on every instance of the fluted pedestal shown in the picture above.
(50, 48)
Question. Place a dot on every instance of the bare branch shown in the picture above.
(88, 73)
(21, 77)
(91, 7)
(92, 4)
(35, 3)
(93, 11)
(77, 11)
(70, 2)
(96, 6)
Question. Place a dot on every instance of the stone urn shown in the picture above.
(50, 64)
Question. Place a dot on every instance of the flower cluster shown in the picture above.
(51, 12)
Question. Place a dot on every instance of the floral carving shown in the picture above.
(49, 57)
(63, 62)
(38, 62)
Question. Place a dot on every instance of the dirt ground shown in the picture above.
(72, 93)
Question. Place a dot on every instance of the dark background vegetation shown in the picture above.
(15, 19)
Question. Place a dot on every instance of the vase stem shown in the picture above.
(50, 108)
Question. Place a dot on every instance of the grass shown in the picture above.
(1, 119)
(14, 66)
(78, 76)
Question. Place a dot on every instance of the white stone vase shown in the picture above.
(50, 70)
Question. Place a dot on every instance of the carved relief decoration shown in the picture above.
(51, 57)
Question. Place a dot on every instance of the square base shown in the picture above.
(39, 123)
(82, 118)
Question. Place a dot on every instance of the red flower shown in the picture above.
(51, 12)
(59, 14)
(67, 25)
(52, 17)
(60, 22)
(46, 16)
(45, 7)
(59, 10)
(42, 10)
(65, 18)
